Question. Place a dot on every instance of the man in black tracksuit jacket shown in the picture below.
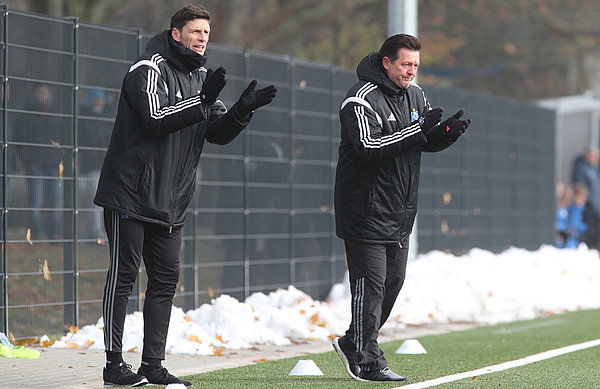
(386, 122)
(167, 109)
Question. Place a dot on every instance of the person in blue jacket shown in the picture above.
(585, 172)
(562, 196)
(576, 227)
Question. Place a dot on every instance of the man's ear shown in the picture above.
(385, 61)
(175, 34)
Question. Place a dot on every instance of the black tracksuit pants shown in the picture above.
(130, 240)
(376, 276)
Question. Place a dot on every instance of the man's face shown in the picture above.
(193, 35)
(404, 69)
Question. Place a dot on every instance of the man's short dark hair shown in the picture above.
(390, 47)
(187, 13)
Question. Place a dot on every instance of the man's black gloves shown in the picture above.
(252, 99)
(454, 127)
(430, 119)
(213, 84)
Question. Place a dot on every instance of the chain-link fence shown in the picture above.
(262, 215)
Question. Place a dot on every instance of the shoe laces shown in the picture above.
(386, 370)
(163, 372)
(125, 367)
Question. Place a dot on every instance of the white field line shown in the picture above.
(504, 366)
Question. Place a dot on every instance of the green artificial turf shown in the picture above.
(448, 354)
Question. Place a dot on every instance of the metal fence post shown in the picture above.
(75, 203)
(4, 13)
(292, 174)
(246, 194)
(332, 165)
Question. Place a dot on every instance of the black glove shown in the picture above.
(454, 127)
(430, 119)
(213, 85)
(252, 99)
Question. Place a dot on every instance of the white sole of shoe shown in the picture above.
(134, 385)
(336, 346)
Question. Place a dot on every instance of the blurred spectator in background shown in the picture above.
(44, 165)
(576, 227)
(563, 197)
(585, 172)
(92, 133)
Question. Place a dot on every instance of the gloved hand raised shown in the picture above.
(252, 99)
(454, 127)
(430, 119)
(213, 85)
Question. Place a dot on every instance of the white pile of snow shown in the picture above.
(478, 287)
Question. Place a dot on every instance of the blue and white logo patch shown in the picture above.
(414, 115)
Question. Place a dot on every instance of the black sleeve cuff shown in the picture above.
(240, 118)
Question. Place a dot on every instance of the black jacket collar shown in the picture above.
(183, 59)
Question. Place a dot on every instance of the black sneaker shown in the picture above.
(348, 359)
(384, 374)
(160, 376)
(121, 375)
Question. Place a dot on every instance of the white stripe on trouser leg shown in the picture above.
(359, 291)
(355, 314)
(111, 286)
(362, 309)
